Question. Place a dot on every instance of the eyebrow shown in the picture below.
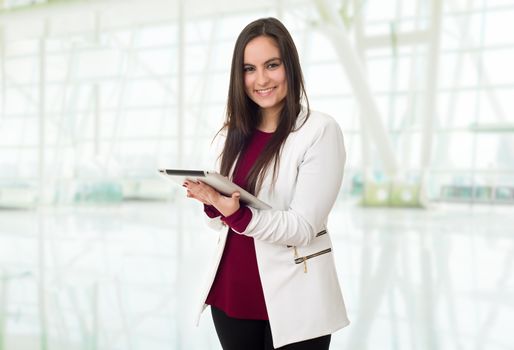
(265, 63)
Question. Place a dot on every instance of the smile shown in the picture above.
(265, 92)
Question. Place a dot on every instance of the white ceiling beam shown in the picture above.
(66, 16)
(396, 39)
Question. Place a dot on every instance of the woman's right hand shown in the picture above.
(208, 195)
(201, 192)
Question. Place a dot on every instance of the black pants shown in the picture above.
(238, 334)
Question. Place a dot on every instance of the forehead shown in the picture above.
(261, 49)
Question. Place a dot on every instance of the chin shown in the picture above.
(267, 105)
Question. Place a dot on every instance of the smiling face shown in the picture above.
(264, 75)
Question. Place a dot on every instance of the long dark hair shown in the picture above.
(244, 115)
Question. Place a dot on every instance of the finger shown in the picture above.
(204, 185)
(236, 195)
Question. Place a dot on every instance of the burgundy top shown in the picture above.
(237, 288)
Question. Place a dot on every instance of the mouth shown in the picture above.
(265, 92)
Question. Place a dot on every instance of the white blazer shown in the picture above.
(293, 248)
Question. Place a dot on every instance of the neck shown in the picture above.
(269, 120)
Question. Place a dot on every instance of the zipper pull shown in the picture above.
(304, 260)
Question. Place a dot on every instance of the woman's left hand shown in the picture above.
(208, 195)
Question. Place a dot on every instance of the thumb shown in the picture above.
(236, 195)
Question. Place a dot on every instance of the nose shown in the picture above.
(262, 77)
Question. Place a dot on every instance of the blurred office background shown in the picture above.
(98, 252)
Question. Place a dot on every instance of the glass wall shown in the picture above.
(90, 113)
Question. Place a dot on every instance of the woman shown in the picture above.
(274, 283)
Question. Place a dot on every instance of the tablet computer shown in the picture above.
(219, 182)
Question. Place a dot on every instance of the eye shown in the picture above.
(248, 69)
(273, 65)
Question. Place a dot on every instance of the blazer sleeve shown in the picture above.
(319, 179)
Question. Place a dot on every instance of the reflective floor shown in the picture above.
(127, 276)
